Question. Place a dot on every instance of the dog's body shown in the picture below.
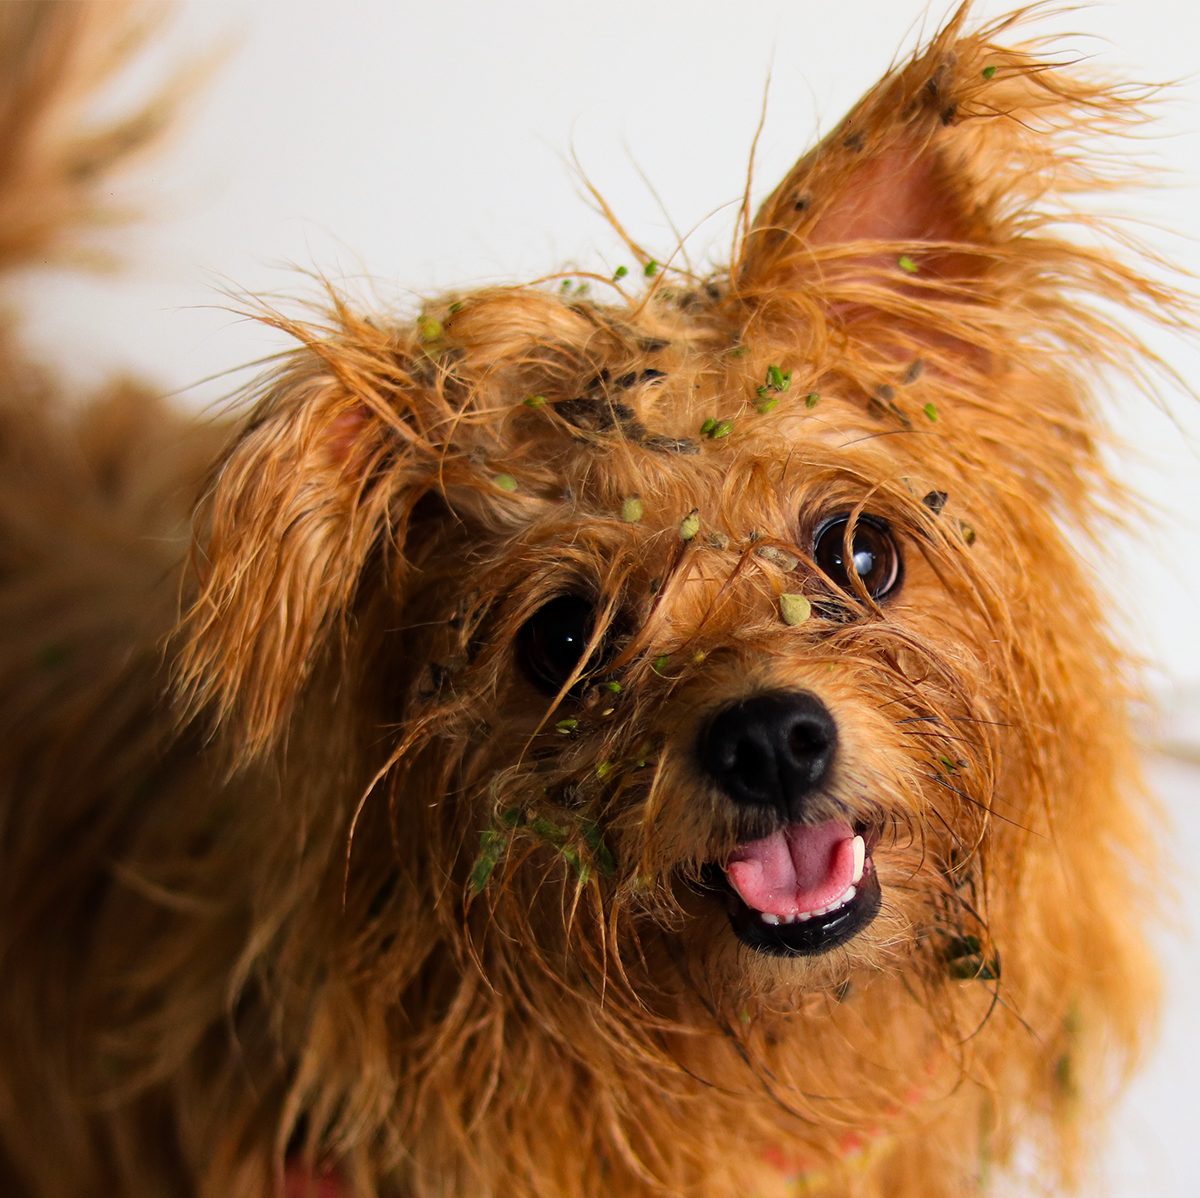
(670, 746)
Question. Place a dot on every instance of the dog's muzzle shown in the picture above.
(807, 887)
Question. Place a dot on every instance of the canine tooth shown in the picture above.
(767, 917)
(860, 859)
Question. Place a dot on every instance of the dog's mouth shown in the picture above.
(803, 890)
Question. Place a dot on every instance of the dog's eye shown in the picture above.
(554, 639)
(874, 554)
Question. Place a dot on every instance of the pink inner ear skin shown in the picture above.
(901, 195)
(343, 433)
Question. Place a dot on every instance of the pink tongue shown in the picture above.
(796, 870)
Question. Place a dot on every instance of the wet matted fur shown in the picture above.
(370, 870)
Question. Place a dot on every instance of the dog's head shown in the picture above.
(697, 652)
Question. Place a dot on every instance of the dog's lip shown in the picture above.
(809, 937)
(805, 922)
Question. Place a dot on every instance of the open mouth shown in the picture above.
(803, 890)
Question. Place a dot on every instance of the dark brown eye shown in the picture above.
(553, 640)
(874, 555)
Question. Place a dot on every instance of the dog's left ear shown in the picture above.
(917, 189)
(325, 472)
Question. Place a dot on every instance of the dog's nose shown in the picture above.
(772, 750)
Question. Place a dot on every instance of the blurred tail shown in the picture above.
(56, 158)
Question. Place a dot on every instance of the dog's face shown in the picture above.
(728, 675)
(716, 651)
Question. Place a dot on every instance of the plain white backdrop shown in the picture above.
(411, 146)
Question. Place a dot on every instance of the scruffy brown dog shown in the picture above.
(665, 744)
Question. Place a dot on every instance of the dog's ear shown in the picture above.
(328, 463)
(941, 187)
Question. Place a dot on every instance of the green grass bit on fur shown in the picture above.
(931, 412)
(795, 609)
(766, 405)
(965, 961)
(989, 72)
(620, 272)
(631, 509)
(604, 769)
(660, 662)
(651, 269)
(429, 328)
(906, 264)
(689, 526)
(723, 429)
(534, 401)
(505, 482)
(707, 427)
(547, 829)
(975, 969)
(778, 379)
(567, 726)
(491, 848)
(572, 855)
(593, 837)
(613, 686)
(457, 306)
(811, 400)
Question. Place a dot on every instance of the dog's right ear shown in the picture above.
(329, 464)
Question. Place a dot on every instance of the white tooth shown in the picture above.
(788, 918)
(849, 894)
(819, 911)
(860, 859)
(803, 915)
(767, 917)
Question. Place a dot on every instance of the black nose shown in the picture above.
(770, 751)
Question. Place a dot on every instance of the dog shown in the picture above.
(667, 740)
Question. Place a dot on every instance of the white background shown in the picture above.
(417, 146)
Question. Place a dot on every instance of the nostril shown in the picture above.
(770, 750)
(751, 764)
(805, 740)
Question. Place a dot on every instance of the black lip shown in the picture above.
(812, 937)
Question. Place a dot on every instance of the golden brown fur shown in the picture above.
(360, 899)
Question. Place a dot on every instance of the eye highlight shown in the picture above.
(874, 555)
(553, 640)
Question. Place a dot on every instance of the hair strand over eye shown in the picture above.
(867, 551)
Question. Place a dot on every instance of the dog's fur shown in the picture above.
(359, 904)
